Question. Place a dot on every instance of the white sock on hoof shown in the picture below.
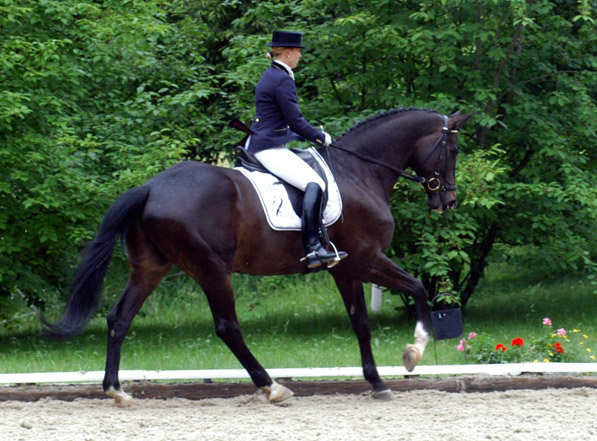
(412, 354)
(421, 338)
(121, 398)
(277, 393)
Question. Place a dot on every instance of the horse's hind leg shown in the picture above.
(221, 301)
(147, 269)
(119, 322)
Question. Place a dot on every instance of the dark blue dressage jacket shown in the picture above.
(278, 119)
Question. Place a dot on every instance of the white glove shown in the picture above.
(327, 139)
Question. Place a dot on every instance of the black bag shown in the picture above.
(446, 323)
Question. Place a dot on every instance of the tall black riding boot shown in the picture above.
(316, 254)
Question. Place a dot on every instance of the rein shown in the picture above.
(434, 183)
(366, 158)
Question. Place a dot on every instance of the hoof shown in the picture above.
(411, 356)
(276, 393)
(121, 398)
(383, 395)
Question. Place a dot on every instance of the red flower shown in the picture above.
(517, 342)
(500, 347)
(558, 347)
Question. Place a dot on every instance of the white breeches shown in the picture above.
(289, 167)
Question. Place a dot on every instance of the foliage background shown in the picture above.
(98, 96)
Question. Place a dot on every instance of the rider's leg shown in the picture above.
(289, 167)
(292, 169)
(315, 253)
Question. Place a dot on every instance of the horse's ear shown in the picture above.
(457, 119)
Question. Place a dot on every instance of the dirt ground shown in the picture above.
(526, 415)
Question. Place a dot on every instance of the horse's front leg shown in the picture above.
(386, 273)
(354, 300)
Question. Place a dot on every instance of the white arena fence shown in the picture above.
(300, 373)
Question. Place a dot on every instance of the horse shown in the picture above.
(208, 221)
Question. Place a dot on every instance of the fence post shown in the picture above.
(376, 298)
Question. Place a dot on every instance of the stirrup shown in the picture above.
(314, 259)
(339, 256)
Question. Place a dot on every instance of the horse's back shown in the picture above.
(189, 174)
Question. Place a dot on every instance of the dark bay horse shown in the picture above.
(208, 221)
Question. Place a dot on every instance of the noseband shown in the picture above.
(434, 183)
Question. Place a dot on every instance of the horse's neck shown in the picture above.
(389, 138)
(378, 177)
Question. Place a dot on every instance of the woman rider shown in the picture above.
(278, 120)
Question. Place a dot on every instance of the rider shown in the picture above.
(278, 120)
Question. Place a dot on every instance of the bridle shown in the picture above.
(434, 183)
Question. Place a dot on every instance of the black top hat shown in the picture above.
(287, 39)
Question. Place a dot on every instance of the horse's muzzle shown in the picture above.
(448, 199)
(443, 201)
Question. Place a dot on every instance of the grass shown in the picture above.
(300, 321)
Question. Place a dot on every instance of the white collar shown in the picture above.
(285, 66)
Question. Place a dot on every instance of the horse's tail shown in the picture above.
(85, 291)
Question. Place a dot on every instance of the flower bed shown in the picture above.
(551, 346)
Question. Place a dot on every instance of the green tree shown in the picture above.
(96, 97)
(527, 70)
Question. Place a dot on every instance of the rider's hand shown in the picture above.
(327, 139)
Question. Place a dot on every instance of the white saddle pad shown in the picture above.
(276, 203)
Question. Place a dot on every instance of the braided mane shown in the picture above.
(383, 114)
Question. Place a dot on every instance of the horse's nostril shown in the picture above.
(451, 205)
